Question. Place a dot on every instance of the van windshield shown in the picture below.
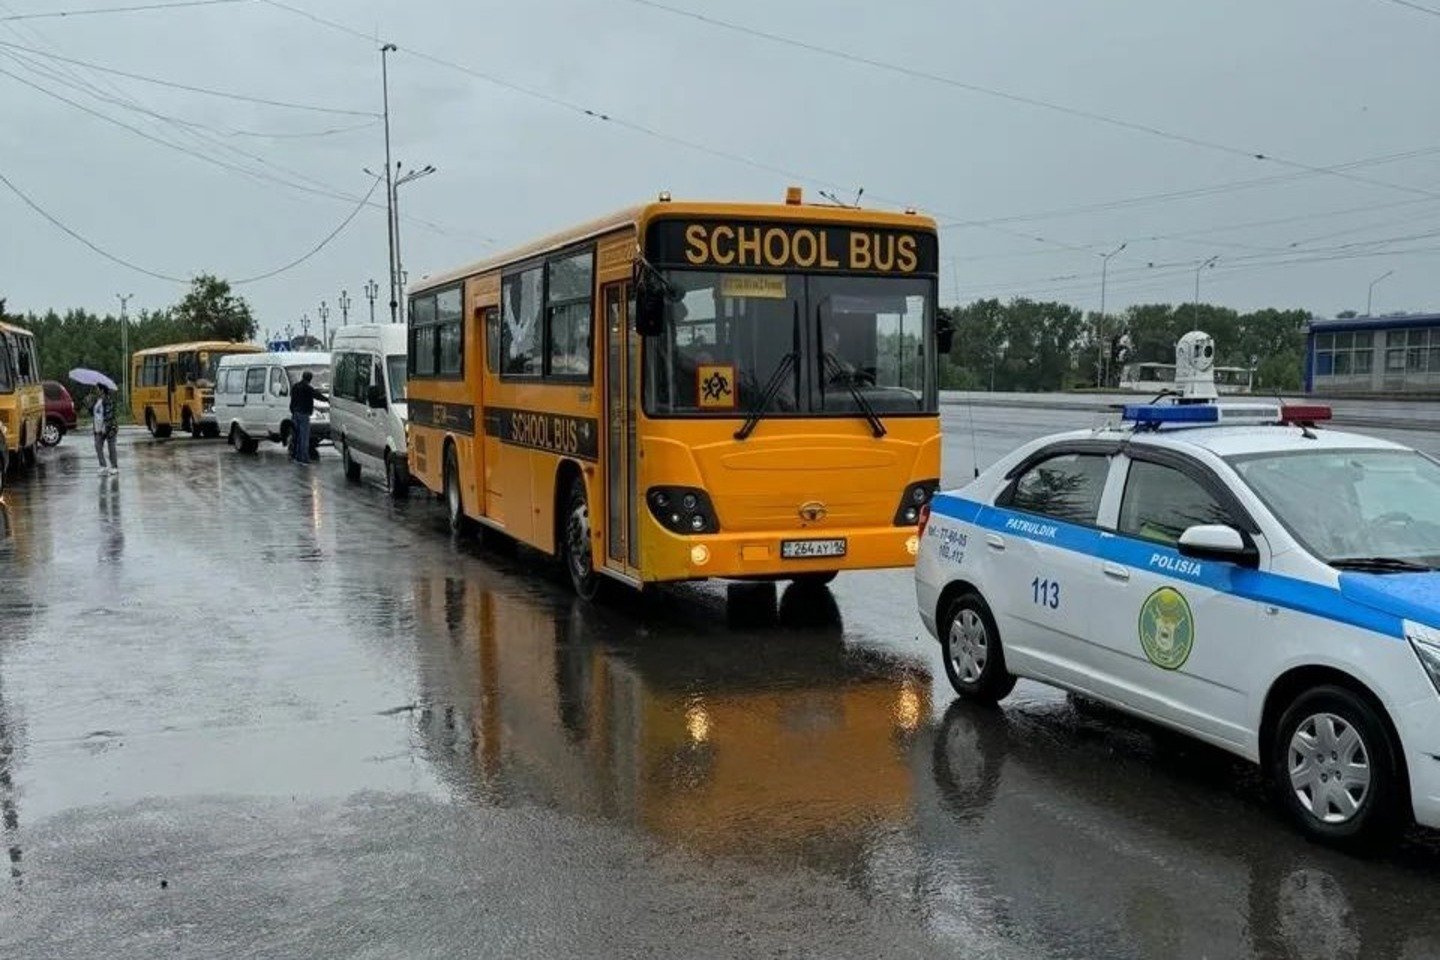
(322, 376)
(395, 370)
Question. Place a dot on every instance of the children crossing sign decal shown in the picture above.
(715, 386)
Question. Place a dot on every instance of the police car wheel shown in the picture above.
(1334, 765)
(974, 660)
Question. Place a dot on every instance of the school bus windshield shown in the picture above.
(727, 334)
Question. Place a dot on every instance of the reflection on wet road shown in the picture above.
(250, 709)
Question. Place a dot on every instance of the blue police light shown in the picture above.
(1144, 414)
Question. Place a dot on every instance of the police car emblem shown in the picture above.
(1167, 628)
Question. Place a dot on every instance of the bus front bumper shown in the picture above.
(761, 555)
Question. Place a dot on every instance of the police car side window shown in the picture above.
(1161, 503)
(1066, 487)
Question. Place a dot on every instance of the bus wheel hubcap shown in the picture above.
(50, 433)
(1329, 768)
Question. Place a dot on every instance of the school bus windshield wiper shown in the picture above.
(839, 373)
(772, 387)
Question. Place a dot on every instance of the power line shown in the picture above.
(243, 98)
(1415, 6)
(76, 236)
(114, 258)
(1006, 95)
(103, 10)
(319, 246)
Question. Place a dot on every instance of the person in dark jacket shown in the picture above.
(106, 413)
(302, 407)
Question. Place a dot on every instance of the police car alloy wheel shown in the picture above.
(974, 660)
(1333, 763)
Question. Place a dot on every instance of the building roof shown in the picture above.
(1393, 321)
(199, 345)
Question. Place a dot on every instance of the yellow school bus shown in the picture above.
(22, 398)
(174, 386)
(688, 390)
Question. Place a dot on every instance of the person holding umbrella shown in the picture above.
(106, 413)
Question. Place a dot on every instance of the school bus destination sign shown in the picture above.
(743, 245)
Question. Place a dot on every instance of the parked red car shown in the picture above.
(59, 414)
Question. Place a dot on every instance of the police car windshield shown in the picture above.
(1376, 509)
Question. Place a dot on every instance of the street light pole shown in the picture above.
(389, 185)
(325, 324)
(400, 181)
(372, 290)
(1370, 296)
(1202, 266)
(1102, 367)
(344, 308)
(124, 299)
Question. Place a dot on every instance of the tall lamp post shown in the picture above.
(344, 308)
(1370, 296)
(1102, 367)
(385, 50)
(124, 299)
(372, 290)
(325, 324)
(400, 181)
(1203, 265)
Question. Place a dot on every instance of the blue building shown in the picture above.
(1383, 355)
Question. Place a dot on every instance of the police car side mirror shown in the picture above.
(1216, 541)
(375, 396)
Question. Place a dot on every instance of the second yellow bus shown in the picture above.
(22, 398)
(174, 386)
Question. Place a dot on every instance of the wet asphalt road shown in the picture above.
(250, 710)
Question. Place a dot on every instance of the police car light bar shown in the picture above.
(1154, 416)
(1302, 413)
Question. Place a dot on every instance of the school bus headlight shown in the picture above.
(699, 554)
(916, 495)
(912, 545)
(685, 510)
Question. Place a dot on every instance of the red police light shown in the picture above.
(924, 518)
(1298, 413)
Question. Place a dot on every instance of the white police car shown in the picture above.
(1223, 569)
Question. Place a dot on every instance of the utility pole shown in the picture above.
(1370, 296)
(344, 308)
(124, 299)
(372, 289)
(389, 184)
(1203, 265)
(1104, 358)
(324, 324)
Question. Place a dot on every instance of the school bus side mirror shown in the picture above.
(649, 310)
(944, 335)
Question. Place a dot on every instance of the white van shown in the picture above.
(252, 397)
(367, 404)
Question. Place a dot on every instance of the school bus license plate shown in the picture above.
(805, 549)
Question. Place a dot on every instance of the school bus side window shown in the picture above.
(450, 314)
(7, 377)
(422, 337)
(520, 323)
(568, 316)
(492, 339)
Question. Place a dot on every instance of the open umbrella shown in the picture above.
(92, 378)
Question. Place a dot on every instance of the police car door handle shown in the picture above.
(1116, 572)
(994, 542)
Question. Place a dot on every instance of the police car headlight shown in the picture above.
(1426, 643)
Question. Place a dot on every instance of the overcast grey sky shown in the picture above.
(1314, 83)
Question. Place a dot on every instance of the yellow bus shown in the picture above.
(22, 398)
(688, 390)
(174, 385)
